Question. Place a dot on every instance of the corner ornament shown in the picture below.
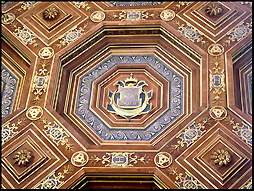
(97, 16)
(163, 159)
(79, 158)
(34, 113)
(130, 100)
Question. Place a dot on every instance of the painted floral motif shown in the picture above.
(221, 157)
(239, 32)
(189, 183)
(52, 182)
(25, 6)
(133, 3)
(7, 132)
(56, 133)
(22, 157)
(9, 85)
(191, 134)
(29, 4)
(244, 132)
(190, 33)
(83, 4)
(24, 35)
(71, 36)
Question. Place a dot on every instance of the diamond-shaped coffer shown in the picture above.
(67, 16)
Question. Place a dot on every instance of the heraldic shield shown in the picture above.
(130, 100)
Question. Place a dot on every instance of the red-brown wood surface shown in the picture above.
(61, 60)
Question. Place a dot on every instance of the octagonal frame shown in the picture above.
(102, 44)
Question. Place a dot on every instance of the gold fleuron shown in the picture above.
(22, 157)
(221, 157)
(213, 9)
(50, 13)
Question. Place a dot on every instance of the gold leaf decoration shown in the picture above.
(213, 9)
(221, 157)
(50, 13)
(22, 157)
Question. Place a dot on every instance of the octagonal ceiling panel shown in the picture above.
(166, 100)
(124, 82)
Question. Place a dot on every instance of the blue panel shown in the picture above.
(9, 86)
(96, 124)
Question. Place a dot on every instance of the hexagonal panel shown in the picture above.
(92, 97)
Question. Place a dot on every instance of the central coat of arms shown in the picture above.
(130, 100)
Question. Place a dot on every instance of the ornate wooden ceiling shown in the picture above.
(126, 95)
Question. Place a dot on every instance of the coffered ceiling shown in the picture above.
(126, 94)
